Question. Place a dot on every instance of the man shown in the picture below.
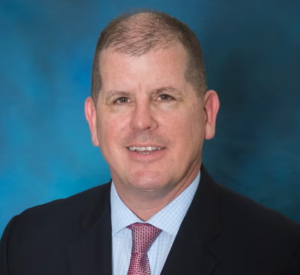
(161, 214)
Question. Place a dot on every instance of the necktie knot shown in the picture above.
(143, 236)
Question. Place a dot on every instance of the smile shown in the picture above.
(145, 150)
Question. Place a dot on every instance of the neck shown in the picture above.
(146, 203)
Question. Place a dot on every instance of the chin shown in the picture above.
(148, 180)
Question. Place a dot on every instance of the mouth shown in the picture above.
(145, 150)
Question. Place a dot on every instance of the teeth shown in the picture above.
(144, 149)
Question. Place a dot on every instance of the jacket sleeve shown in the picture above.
(4, 245)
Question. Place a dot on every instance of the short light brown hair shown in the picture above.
(138, 33)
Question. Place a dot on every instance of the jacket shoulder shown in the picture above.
(243, 217)
(64, 218)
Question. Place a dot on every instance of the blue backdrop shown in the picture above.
(251, 50)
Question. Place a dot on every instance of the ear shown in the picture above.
(91, 116)
(211, 108)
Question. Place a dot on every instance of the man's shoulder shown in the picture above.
(242, 214)
(64, 218)
(75, 203)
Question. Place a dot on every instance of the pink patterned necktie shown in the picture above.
(143, 236)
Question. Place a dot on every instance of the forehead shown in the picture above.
(158, 65)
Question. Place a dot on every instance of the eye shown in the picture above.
(165, 97)
(122, 100)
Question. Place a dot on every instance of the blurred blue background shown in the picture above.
(252, 55)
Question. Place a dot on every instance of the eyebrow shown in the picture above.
(113, 93)
(167, 89)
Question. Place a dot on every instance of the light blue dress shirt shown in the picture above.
(168, 220)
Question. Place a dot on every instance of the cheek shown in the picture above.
(111, 129)
(190, 121)
(188, 130)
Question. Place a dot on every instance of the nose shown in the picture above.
(143, 117)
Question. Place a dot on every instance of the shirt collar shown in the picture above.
(167, 219)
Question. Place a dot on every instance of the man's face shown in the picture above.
(150, 122)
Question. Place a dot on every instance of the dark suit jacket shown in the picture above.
(223, 233)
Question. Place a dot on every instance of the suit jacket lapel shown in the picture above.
(194, 249)
(92, 252)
